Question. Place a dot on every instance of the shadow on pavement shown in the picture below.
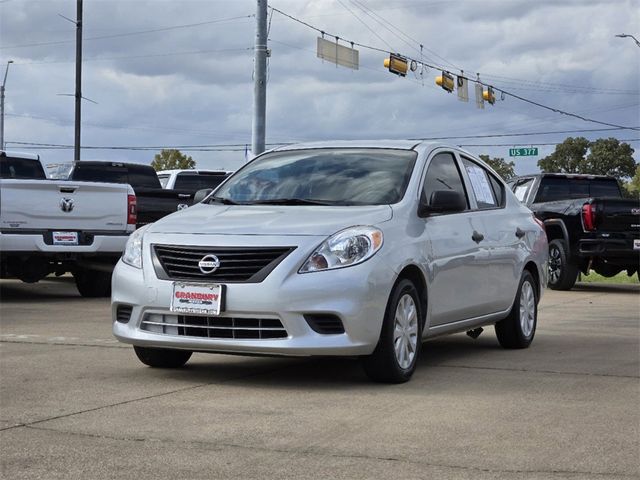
(624, 288)
(51, 288)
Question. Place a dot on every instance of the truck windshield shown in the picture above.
(564, 188)
(322, 176)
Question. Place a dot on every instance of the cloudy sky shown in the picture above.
(167, 73)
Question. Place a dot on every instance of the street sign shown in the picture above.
(338, 54)
(523, 152)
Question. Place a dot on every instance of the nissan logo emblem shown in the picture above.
(209, 264)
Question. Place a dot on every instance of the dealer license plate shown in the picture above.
(65, 238)
(202, 299)
(636, 243)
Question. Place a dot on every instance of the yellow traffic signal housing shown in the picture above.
(489, 96)
(445, 81)
(397, 64)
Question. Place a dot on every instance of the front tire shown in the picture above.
(395, 357)
(562, 274)
(93, 283)
(162, 357)
(519, 327)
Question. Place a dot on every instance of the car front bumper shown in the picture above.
(357, 295)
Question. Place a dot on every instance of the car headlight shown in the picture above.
(346, 248)
(132, 254)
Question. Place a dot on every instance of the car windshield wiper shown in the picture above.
(224, 201)
(288, 201)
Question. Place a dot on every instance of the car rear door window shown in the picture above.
(443, 174)
(481, 185)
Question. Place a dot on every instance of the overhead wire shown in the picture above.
(476, 81)
(128, 34)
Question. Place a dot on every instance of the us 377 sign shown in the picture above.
(523, 152)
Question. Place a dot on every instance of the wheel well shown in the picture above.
(554, 232)
(414, 274)
(533, 270)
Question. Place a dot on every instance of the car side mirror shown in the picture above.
(443, 201)
(201, 195)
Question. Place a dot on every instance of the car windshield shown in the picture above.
(346, 176)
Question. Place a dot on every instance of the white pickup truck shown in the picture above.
(57, 226)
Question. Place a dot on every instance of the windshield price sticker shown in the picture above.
(636, 243)
(201, 299)
(65, 238)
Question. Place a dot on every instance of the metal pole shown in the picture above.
(260, 81)
(1, 117)
(76, 145)
(4, 82)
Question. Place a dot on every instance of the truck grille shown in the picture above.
(214, 327)
(237, 264)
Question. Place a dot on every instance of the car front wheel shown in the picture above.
(162, 357)
(518, 329)
(395, 357)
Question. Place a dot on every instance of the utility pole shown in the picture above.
(260, 81)
(78, 95)
(4, 82)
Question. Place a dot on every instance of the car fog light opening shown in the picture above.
(348, 247)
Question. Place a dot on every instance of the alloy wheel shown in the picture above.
(405, 331)
(527, 308)
(555, 264)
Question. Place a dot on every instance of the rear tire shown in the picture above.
(162, 357)
(93, 283)
(519, 327)
(395, 357)
(562, 274)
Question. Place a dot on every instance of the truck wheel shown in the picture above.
(93, 283)
(519, 327)
(562, 275)
(395, 357)
(162, 357)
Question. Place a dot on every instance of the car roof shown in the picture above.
(394, 144)
(565, 175)
(193, 170)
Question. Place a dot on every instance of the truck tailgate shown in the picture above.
(617, 214)
(51, 204)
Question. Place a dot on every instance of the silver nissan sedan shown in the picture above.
(336, 248)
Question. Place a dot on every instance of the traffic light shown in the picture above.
(397, 64)
(445, 81)
(489, 95)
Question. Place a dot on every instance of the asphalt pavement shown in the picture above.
(74, 403)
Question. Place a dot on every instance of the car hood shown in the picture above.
(270, 219)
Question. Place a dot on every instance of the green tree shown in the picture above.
(501, 166)
(605, 156)
(171, 159)
(633, 186)
(569, 157)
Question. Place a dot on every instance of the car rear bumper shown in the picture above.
(618, 251)
(36, 243)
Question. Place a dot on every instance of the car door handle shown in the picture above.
(477, 237)
(520, 233)
(183, 195)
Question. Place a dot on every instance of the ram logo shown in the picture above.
(66, 204)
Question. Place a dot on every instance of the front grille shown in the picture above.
(214, 327)
(237, 264)
(325, 324)
(123, 313)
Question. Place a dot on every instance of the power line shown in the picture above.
(538, 144)
(128, 34)
(520, 134)
(151, 55)
(419, 61)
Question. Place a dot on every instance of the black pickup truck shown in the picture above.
(154, 202)
(590, 226)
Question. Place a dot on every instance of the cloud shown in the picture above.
(192, 85)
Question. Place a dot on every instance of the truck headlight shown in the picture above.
(132, 254)
(348, 247)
